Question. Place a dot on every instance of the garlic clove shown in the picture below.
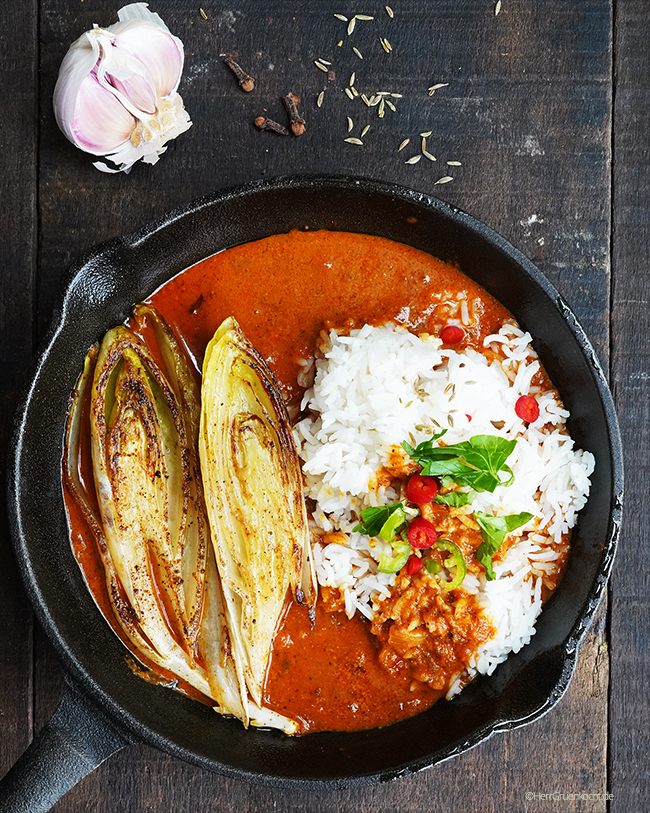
(100, 134)
(160, 54)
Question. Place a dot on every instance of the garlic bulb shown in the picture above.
(116, 92)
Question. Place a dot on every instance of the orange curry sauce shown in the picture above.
(283, 291)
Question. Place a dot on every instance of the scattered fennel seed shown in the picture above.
(403, 144)
(497, 8)
(384, 46)
(321, 96)
(339, 43)
(363, 17)
(352, 78)
(350, 124)
(355, 92)
(356, 141)
(348, 93)
(428, 155)
(320, 67)
(341, 17)
(391, 105)
(389, 11)
(413, 160)
(396, 95)
(365, 100)
(433, 88)
(203, 14)
(454, 164)
(351, 25)
(426, 134)
(380, 111)
(445, 179)
(324, 62)
(388, 45)
(365, 130)
(357, 52)
(424, 145)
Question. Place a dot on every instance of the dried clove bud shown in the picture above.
(268, 124)
(246, 82)
(297, 122)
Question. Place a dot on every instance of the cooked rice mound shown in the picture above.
(379, 386)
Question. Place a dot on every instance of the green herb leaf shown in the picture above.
(455, 498)
(475, 463)
(494, 531)
(374, 519)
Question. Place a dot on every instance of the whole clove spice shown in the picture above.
(268, 124)
(297, 122)
(246, 82)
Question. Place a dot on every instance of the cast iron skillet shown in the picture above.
(105, 706)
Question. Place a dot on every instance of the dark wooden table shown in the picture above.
(547, 106)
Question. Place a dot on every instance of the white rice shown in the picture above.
(379, 386)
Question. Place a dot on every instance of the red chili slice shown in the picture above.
(413, 565)
(527, 408)
(422, 534)
(452, 334)
(421, 489)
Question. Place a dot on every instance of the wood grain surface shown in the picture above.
(546, 105)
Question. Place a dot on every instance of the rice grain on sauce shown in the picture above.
(381, 385)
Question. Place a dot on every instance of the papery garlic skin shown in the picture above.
(116, 94)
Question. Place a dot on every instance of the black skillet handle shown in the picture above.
(77, 739)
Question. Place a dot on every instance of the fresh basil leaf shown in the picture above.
(475, 463)
(455, 498)
(373, 519)
(494, 531)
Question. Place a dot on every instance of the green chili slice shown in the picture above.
(401, 553)
(456, 560)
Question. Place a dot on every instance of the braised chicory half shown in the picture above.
(192, 579)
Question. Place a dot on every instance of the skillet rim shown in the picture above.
(130, 242)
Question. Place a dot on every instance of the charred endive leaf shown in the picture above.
(148, 511)
(254, 495)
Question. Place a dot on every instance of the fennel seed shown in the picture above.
(357, 52)
(428, 155)
(497, 8)
(383, 45)
(353, 76)
(349, 94)
(355, 92)
(427, 134)
(356, 141)
(380, 111)
(433, 88)
(413, 160)
(454, 164)
(363, 17)
(365, 99)
(445, 179)
(391, 105)
(365, 130)
(351, 25)
(403, 144)
(203, 14)
(389, 11)
(320, 67)
(341, 17)
(321, 96)
(350, 124)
